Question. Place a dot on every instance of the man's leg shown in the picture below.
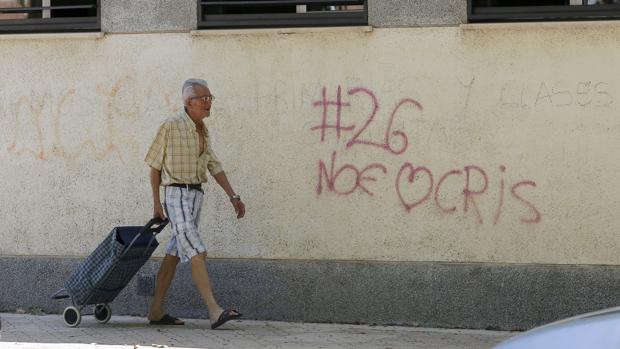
(200, 276)
(164, 279)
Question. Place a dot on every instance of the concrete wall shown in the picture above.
(138, 16)
(475, 144)
(142, 16)
(416, 13)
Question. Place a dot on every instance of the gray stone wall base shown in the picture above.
(478, 296)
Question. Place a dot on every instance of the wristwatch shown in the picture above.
(235, 197)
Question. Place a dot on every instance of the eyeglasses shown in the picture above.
(205, 98)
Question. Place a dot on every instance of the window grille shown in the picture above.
(42, 16)
(214, 14)
(541, 10)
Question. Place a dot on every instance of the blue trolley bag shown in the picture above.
(106, 272)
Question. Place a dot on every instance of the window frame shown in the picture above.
(52, 24)
(282, 20)
(542, 13)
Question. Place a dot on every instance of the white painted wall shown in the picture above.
(538, 101)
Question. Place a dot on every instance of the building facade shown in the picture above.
(419, 169)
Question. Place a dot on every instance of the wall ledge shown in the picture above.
(53, 36)
(273, 31)
(541, 25)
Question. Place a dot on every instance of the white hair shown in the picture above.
(189, 88)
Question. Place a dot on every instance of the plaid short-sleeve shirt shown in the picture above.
(176, 152)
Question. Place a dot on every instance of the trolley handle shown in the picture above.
(155, 226)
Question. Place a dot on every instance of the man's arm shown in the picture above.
(222, 180)
(155, 158)
(158, 210)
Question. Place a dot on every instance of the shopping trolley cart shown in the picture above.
(105, 273)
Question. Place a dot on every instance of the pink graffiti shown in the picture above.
(409, 177)
(346, 179)
(325, 103)
(390, 135)
(332, 177)
(470, 195)
(439, 184)
(513, 190)
(413, 172)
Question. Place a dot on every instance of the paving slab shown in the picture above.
(25, 331)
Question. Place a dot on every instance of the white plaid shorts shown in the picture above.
(183, 210)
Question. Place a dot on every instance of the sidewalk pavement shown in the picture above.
(25, 331)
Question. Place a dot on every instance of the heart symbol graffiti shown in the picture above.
(413, 172)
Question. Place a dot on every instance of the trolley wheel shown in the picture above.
(103, 313)
(72, 316)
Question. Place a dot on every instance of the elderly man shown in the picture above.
(179, 159)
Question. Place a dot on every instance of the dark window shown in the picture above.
(541, 10)
(280, 13)
(44, 16)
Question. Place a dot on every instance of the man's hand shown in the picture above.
(239, 207)
(158, 212)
